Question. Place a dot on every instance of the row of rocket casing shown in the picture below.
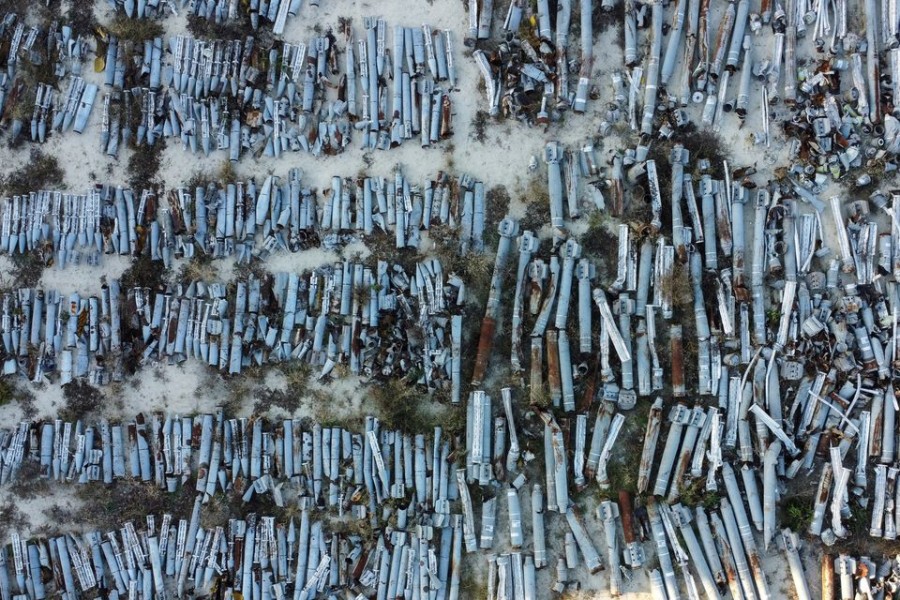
(227, 220)
(389, 464)
(254, 556)
(532, 75)
(213, 454)
(325, 317)
(274, 12)
(183, 97)
(52, 111)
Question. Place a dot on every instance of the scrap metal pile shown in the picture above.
(773, 393)
(271, 13)
(61, 103)
(790, 365)
(238, 97)
(238, 220)
(834, 89)
(329, 473)
(330, 316)
(148, 9)
(530, 68)
(328, 468)
(332, 471)
(771, 377)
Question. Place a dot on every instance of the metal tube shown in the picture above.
(630, 26)
(528, 245)
(651, 436)
(587, 56)
(682, 518)
(679, 416)
(668, 65)
(790, 543)
(662, 548)
(608, 513)
(770, 491)
(588, 551)
(537, 527)
(652, 74)
(737, 39)
(507, 230)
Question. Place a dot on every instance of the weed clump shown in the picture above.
(796, 513)
(28, 268)
(202, 27)
(135, 30)
(227, 173)
(497, 201)
(677, 283)
(399, 405)
(474, 268)
(81, 399)
(29, 483)
(598, 241)
(403, 407)
(297, 377)
(537, 209)
(11, 519)
(695, 494)
(7, 392)
(80, 17)
(143, 167)
(199, 268)
(144, 273)
(479, 125)
(108, 507)
(40, 172)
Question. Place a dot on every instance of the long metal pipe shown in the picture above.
(507, 230)
(662, 548)
(671, 56)
(652, 71)
(528, 245)
(737, 38)
(587, 56)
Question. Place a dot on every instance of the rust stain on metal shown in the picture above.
(825, 488)
(553, 374)
(824, 444)
(238, 554)
(537, 370)
(680, 470)
(730, 575)
(724, 227)
(590, 388)
(484, 350)
(653, 424)
(727, 564)
(877, 432)
(617, 206)
(535, 291)
(827, 577)
(627, 516)
(446, 117)
(678, 389)
(360, 565)
(196, 433)
(755, 565)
